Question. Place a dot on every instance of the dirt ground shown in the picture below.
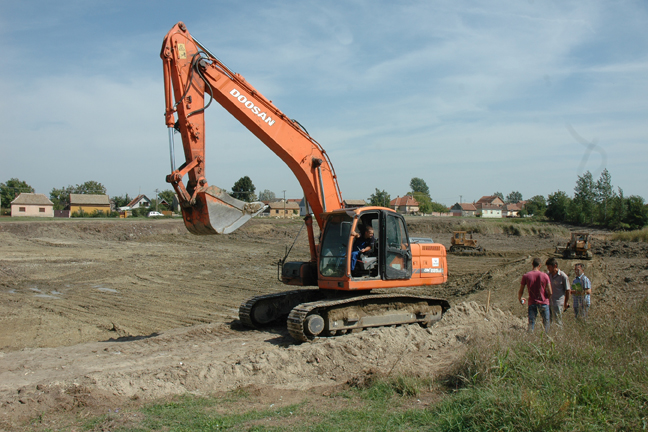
(97, 313)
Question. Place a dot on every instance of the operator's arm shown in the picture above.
(567, 290)
(589, 287)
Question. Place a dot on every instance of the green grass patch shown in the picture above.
(631, 236)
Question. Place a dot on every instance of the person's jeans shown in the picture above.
(544, 313)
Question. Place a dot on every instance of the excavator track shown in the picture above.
(266, 309)
(338, 316)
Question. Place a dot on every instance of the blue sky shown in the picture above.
(471, 96)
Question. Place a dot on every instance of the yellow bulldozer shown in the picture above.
(461, 243)
(579, 246)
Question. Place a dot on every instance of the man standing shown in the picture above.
(539, 287)
(582, 289)
(560, 291)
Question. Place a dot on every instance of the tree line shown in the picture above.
(594, 203)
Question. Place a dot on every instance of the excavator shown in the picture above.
(343, 300)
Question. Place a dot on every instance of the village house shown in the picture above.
(283, 209)
(138, 202)
(488, 210)
(404, 205)
(88, 204)
(512, 210)
(32, 204)
(463, 209)
(493, 200)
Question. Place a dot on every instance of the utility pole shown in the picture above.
(284, 192)
(460, 197)
(157, 199)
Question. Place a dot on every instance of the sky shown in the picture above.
(474, 97)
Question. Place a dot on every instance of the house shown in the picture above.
(463, 209)
(511, 210)
(86, 203)
(404, 205)
(354, 203)
(491, 199)
(488, 210)
(139, 202)
(283, 209)
(32, 204)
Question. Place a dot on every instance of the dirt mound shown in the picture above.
(616, 249)
(421, 225)
(218, 357)
(100, 229)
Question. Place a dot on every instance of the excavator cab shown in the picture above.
(390, 257)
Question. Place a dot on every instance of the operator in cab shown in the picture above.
(362, 244)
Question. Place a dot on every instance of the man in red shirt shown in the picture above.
(539, 286)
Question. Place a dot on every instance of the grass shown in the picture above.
(632, 236)
(591, 376)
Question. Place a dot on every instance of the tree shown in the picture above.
(604, 194)
(121, 201)
(267, 195)
(418, 185)
(617, 221)
(500, 195)
(61, 197)
(581, 209)
(243, 190)
(557, 206)
(379, 199)
(167, 195)
(536, 205)
(636, 216)
(438, 208)
(514, 197)
(90, 187)
(424, 201)
(11, 189)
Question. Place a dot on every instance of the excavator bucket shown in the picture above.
(216, 212)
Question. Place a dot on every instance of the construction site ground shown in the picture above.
(97, 314)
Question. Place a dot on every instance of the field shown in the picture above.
(97, 314)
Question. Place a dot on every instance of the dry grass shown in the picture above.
(632, 236)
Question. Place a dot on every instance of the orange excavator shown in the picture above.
(193, 79)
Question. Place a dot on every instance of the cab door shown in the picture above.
(397, 258)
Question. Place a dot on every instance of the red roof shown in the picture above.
(135, 201)
(513, 207)
(468, 207)
(488, 199)
(403, 201)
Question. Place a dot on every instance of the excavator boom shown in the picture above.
(192, 73)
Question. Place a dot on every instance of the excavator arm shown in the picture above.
(193, 79)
